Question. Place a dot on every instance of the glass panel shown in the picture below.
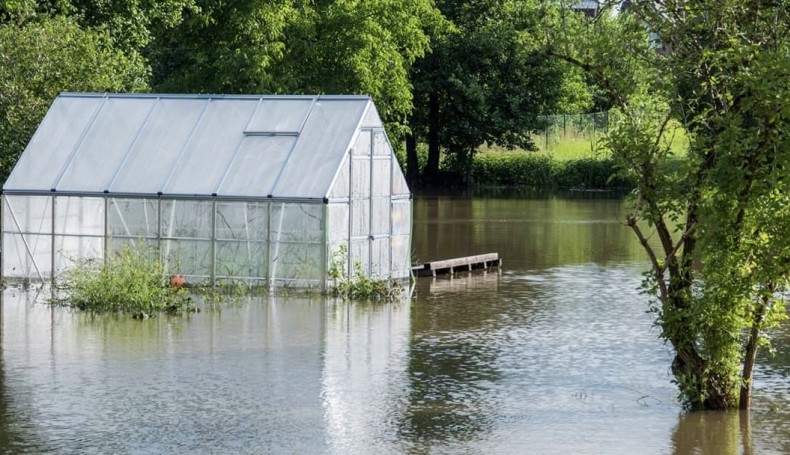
(49, 149)
(297, 261)
(18, 262)
(188, 257)
(33, 213)
(69, 250)
(342, 182)
(133, 217)
(381, 258)
(297, 223)
(150, 246)
(102, 151)
(360, 254)
(360, 213)
(338, 223)
(372, 119)
(321, 147)
(381, 216)
(362, 144)
(257, 166)
(186, 219)
(241, 259)
(212, 147)
(280, 115)
(243, 220)
(401, 257)
(79, 215)
(360, 179)
(380, 184)
(399, 185)
(156, 150)
(401, 217)
(380, 145)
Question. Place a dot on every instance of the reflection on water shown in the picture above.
(554, 353)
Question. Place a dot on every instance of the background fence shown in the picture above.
(572, 127)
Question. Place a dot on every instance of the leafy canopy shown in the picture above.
(720, 261)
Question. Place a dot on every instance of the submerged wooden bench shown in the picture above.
(451, 266)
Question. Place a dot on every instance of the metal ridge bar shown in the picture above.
(215, 96)
(225, 197)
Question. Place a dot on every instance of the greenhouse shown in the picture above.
(265, 190)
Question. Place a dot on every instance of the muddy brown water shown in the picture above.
(554, 353)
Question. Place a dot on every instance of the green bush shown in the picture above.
(539, 171)
(130, 281)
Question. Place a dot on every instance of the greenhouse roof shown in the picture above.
(192, 145)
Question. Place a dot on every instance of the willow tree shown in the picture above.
(715, 222)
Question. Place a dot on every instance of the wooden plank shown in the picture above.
(451, 266)
(459, 262)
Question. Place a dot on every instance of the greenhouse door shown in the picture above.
(371, 176)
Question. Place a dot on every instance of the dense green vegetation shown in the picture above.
(540, 171)
(454, 74)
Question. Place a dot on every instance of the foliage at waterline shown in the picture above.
(129, 281)
(358, 285)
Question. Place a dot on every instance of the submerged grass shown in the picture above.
(129, 281)
(358, 285)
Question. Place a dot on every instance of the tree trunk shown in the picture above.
(748, 369)
(432, 166)
(750, 357)
(412, 162)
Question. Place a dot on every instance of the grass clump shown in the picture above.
(129, 281)
(358, 285)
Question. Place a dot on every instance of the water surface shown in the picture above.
(554, 353)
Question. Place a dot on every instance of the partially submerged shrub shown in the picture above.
(129, 281)
(358, 285)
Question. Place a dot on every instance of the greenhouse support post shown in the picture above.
(52, 253)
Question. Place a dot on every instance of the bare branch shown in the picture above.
(658, 270)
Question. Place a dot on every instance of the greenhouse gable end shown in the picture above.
(267, 190)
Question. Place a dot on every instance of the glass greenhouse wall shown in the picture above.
(266, 190)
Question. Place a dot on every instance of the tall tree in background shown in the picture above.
(291, 46)
(484, 81)
(721, 267)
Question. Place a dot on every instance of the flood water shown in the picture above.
(554, 353)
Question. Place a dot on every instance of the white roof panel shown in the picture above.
(154, 155)
(105, 144)
(50, 148)
(211, 148)
(317, 155)
(241, 146)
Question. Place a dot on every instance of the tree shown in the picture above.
(484, 81)
(42, 57)
(290, 46)
(721, 261)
